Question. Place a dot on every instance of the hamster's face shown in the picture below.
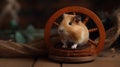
(69, 25)
(70, 20)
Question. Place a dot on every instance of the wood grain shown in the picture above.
(42, 62)
(16, 62)
(99, 62)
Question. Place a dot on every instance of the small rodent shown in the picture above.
(73, 30)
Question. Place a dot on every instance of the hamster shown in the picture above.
(71, 29)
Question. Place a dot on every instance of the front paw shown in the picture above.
(64, 46)
(74, 46)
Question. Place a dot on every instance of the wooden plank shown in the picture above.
(42, 62)
(99, 62)
(16, 62)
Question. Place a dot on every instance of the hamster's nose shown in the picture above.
(60, 31)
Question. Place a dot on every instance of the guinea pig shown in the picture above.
(71, 29)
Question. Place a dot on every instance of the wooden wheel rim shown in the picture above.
(82, 10)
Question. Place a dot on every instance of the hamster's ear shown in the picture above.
(64, 15)
(77, 18)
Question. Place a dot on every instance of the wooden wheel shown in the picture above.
(88, 16)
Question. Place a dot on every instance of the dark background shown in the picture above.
(37, 12)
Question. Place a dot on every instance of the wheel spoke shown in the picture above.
(56, 23)
(93, 29)
(85, 20)
(91, 42)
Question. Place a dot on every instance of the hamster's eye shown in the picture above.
(70, 23)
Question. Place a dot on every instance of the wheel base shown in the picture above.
(72, 59)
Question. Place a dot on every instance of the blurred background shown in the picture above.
(33, 14)
(37, 12)
(22, 24)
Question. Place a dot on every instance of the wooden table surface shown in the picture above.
(107, 61)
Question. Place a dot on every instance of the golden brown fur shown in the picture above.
(73, 31)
